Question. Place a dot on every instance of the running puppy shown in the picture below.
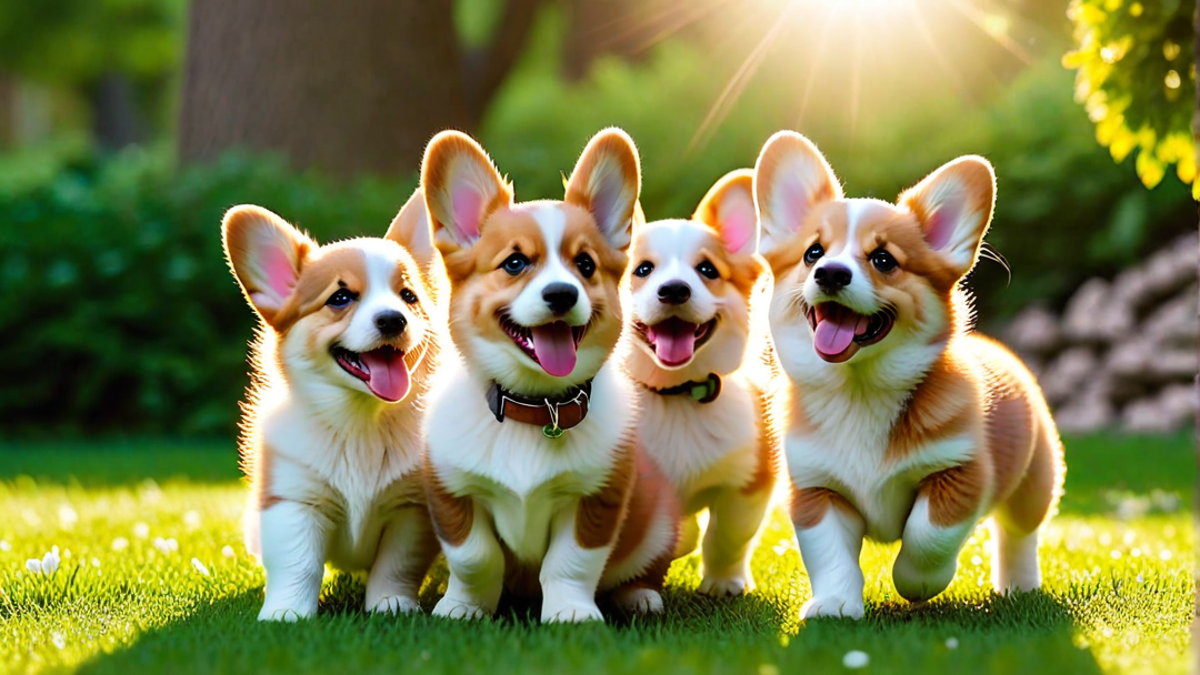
(331, 436)
(704, 415)
(535, 481)
(902, 424)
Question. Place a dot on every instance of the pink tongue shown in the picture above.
(554, 346)
(674, 341)
(389, 373)
(836, 329)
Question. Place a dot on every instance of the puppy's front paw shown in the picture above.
(816, 608)
(728, 587)
(395, 604)
(639, 600)
(570, 612)
(285, 614)
(451, 608)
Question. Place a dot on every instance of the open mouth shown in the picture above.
(383, 370)
(674, 341)
(839, 331)
(552, 346)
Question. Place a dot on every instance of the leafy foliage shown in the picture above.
(1137, 78)
(119, 312)
(73, 41)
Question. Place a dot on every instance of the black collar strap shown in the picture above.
(554, 415)
(703, 391)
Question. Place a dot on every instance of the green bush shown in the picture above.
(118, 311)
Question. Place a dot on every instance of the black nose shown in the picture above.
(390, 323)
(560, 297)
(832, 277)
(674, 293)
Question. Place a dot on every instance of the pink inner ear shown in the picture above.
(467, 205)
(281, 275)
(796, 200)
(737, 224)
(939, 225)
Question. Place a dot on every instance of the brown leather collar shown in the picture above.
(554, 415)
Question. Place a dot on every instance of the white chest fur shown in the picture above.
(355, 475)
(700, 446)
(846, 450)
(517, 474)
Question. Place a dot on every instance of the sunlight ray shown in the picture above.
(737, 84)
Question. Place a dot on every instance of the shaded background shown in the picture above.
(129, 126)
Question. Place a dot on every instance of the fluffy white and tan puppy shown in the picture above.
(704, 412)
(535, 480)
(331, 436)
(901, 423)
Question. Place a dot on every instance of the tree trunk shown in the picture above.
(114, 112)
(348, 87)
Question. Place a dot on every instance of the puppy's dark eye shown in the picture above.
(587, 266)
(883, 261)
(643, 269)
(515, 264)
(341, 297)
(814, 253)
(408, 296)
(707, 270)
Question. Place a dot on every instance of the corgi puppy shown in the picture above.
(901, 423)
(704, 414)
(331, 436)
(534, 476)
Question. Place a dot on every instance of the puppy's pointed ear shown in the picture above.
(954, 206)
(461, 187)
(790, 178)
(606, 181)
(411, 229)
(728, 208)
(265, 254)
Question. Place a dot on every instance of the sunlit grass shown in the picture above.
(126, 599)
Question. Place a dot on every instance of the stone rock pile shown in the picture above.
(1123, 353)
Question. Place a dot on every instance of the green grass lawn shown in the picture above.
(154, 578)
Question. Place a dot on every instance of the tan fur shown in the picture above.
(452, 515)
(810, 504)
(600, 515)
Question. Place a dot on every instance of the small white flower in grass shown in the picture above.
(951, 643)
(50, 562)
(1164, 555)
(120, 544)
(855, 659)
(166, 545)
(58, 639)
(1140, 578)
(5, 546)
(227, 551)
(34, 565)
(67, 516)
(141, 530)
(199, 566)
(191, 519)
(976, 560)
(95, 562)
